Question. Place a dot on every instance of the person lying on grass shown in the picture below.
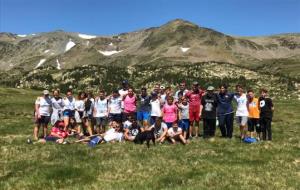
(114, 133)
(175, 134)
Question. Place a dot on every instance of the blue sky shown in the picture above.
(235, 17)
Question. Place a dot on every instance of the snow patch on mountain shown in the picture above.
(58, 65)
(183, 49)
(42, 61)
(111, 44)
(46, 51)
(22, 35)
(69, 45)
(109, 53)
(85, 36)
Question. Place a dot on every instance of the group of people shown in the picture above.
(172, 116)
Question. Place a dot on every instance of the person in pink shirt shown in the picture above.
(129, 104)
(169, 112)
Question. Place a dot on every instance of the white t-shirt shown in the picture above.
(127, 124)
(171, 131)
(122, 93)
(79, 105)
(159, 132)
(57, 104)
(241, 109)
(155, 108)
(177, 94)
(184, 111)
(69, 105)
(115, 105)
(101, 107)
(163, 99)
(44, 105)
(112, 134)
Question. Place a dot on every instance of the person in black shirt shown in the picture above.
(209, 112)
(266, 114)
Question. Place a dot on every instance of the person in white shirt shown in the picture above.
(69, 108)
(57, 107)
(114, 107)
(123, 92)
(175, 134)
(100, 112)
(43, 110)
(181, 92)
(160, 130)
(155, 107)
(241, 110)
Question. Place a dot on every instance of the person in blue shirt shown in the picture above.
(225, 111)
(144, 108)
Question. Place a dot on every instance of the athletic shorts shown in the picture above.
(68, 113)
(169, 124)
(241, 120)
(125, 116)
(194, 115)
(254, 123)
(184, 124)
(51, 138)
(101, 120)
(143, 116)
(115, 117)
(44, 120)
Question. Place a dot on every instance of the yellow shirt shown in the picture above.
(253, 108)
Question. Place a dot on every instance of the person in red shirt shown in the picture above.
(194, 96)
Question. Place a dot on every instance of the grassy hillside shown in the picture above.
(222, 164)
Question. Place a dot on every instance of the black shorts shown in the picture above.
(254, 123)
(44, 120)
(115, 117)
(126, 115)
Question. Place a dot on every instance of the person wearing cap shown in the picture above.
(209, 112)
(194, 97)
(162, 96)
(43, 110)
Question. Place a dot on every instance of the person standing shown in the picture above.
(253, 118)
(241, 110)
(181, 92)
(57, 107)
(194, 96)
(266, 114)
(69, 108)
(129, 101)
(209, 112)
(170, 112)
(43, 110)
(144, 108)
(100, 112)
(225, 111)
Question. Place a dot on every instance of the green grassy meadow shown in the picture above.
(202, 164)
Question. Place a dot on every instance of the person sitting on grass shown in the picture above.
(57, 134)
(132, 131)
(160, 130)
(175, 134)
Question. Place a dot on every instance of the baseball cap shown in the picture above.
(125, 82)
(195, 83)
(45, 92)
(162, 87)
(210, 88)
